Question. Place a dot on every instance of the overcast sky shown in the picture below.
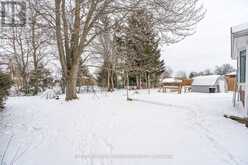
(210, 46)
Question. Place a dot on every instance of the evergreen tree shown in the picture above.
(5, 85)
(143, 47)
(43, 77)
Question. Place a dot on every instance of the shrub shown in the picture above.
(5, 85)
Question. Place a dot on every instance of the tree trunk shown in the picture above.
(71, 80)
(62, 84)
(137, 82)
(69, 54)
(36, 83)
(35, 60)
(71, 85)
(127, 86)
(112, 81)
(108, 81)
(25, 84)
(71, 90)
(148, 83)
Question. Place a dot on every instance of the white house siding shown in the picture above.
(239, 43)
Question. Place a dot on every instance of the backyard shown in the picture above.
(104, 128)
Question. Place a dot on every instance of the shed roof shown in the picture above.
(171, 80)
(231, 74)
(206, 80)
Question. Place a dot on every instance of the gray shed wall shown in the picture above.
(203, 88)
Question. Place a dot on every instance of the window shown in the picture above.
(242, 72)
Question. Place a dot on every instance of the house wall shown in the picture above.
(240, 45)
(239, 42)
(242, 95)
(202, 89)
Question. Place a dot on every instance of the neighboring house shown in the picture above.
(239, 48)
(209, 84)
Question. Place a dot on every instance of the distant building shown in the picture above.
(209, 84)
(239, 47)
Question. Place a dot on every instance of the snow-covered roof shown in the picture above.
(171, 80)
(239, 28)
(231, 74)
(206, 80)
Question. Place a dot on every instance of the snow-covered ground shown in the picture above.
(105, 129)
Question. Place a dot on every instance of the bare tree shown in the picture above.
(40, 42)
(105, 48)
(181, 75)
(224, 69)
(18, 48)
(173, 19)
(74, 35)
(27, 47)
(75, 23)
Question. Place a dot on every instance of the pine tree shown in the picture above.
(143, 46)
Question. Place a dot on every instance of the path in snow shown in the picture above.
(201, 129)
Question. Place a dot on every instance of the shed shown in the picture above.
(171, 84)
(231, 81)
(209, 84)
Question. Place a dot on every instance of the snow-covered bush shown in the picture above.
(49, 94)
(5, 85)
(13, 91)
(57, 89)
(52, 93)
(86, 89)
